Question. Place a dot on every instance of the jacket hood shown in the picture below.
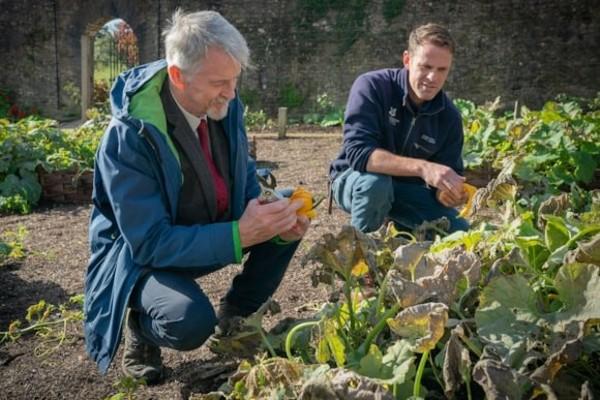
(136, 94)
(135, 97)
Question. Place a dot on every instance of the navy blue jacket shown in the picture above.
(380, 115)
(137, 182)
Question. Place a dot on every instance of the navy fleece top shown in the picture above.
(380, 115)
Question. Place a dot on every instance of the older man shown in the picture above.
(175, 198)
(401, 155)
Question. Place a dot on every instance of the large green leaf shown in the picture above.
(585, 166)
(399, 362)
(556, 232)
(508, 312)
(578, 286)
(26, 186)
(534, 250)
(526, 171)
(395, 367)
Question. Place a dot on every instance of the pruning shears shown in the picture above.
(267, 183)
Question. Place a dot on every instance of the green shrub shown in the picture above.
(290, 96)
(326, 113)
(256, 120)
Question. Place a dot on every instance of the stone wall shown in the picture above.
(40, 43)
(520, 50)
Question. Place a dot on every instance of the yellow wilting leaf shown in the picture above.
(360, 268)
(336, 345)
(475, 126)
(323, 354)
(516, 131)
(466, 210)
(422, 324)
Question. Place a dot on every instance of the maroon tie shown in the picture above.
(220, 186)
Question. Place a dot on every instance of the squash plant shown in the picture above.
(507, 310)
(30, 143)
(551, 148)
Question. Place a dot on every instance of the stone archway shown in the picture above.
(143, 20)
(88, 61)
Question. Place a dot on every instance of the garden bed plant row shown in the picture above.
(36, 151)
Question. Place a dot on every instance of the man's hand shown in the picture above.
(297, 231)
(435, 175)
(448, 199)
(445, 179)
(261, 222)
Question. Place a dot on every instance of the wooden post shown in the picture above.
(282, 118)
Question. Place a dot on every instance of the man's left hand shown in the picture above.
(297, 231)
(449, 199)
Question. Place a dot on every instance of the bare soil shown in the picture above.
(54, 270)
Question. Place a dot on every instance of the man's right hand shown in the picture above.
(443, 178)
(261, 222)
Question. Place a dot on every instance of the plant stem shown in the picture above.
(34, 327)
(435, 372)
(378, 328)
(381, 295)
(290, 336)
(472, 346)
(581, 234)
(267, 343)
(348, 294)
(469, 395)
(420, 369)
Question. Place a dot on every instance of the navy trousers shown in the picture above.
(174, 311)
(370, 198)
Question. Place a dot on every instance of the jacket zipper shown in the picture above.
(410, 129)
(142, 132)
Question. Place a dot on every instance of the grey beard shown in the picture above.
(217, 115)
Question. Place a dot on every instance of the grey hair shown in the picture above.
(189, 36)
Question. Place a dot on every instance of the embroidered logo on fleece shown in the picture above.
(428, 139)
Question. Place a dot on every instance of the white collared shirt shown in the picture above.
(191, 119)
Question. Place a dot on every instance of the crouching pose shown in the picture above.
(403, 138)
(175, 198)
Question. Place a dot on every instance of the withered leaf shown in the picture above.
(422, 324)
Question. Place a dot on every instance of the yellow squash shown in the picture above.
(466, 210)
(307, 207)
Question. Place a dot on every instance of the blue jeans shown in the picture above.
(371, 198)
(174, 311)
